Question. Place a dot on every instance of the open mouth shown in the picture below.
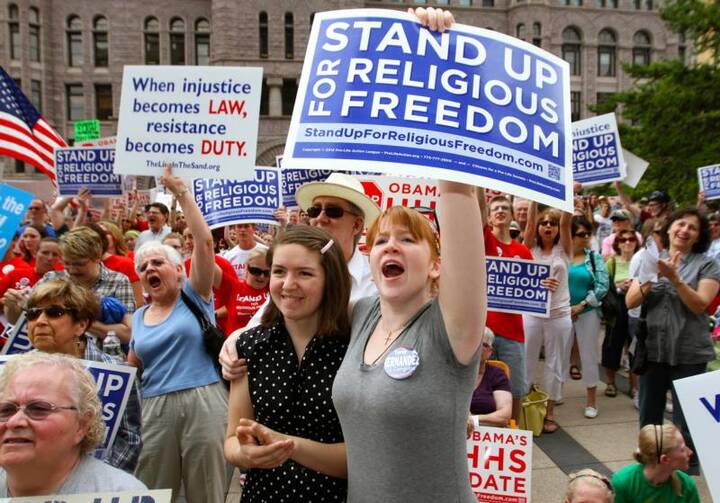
(154, 281)
(392, 269)
(17, 441)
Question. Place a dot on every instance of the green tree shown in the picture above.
(671, 117)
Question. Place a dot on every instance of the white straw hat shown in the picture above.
(341, 186)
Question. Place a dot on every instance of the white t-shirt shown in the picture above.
(237, 257)
(559, 261)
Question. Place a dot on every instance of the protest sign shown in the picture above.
(202, 119)
(13, 206)
(155, 496)
(388, 191)
(513, 286)
(596, 151)
(87, 130)
(635, 167)
(79, 167)
(500, 464)
(114, 383)
(380, 92)
(292, 179)
(700, 400)
(17, 337)
(226, 202)
(709, 181)
(107, 142)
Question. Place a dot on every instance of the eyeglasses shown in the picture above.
(155, 262)
(499, 207)
(333, 212)
(256, 271)
(53, 312)
(547, 223)
(37, 410)
(584, 234)
(626, 240)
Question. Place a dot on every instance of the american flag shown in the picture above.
(24, 134)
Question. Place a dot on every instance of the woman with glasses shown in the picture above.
(548, 235)
(59, 313)
(659, 474)
(491, 403)
(617, 332)
(50, 424)
(250, 294)
(588, 283)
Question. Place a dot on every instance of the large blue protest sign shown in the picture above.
(597, 153)
(17, 339)
(513, 286)
(87, 167)
(154, 496)
(379, 92)
(114, 384)
(226, 202)
(292, 179)
(709, 181)
(13, 206)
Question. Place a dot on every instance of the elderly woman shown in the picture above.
(50, 421)
(185, 405)
(491, 402)
(59, 313)
(678, 334)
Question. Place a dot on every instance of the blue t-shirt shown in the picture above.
(173, 353)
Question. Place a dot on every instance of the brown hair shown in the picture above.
(616, 244)
(655, 440)
(547, 214)
(333, 319)
(83, 302)
(118, 237)
(80, 243)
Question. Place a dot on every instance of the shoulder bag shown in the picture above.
(212, 335)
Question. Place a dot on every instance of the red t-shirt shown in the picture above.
(244, 303)
(123, 265)
(19, 277)
(506, 325)
(221, 295)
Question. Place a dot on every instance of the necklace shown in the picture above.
(389, 336)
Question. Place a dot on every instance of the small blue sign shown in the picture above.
(513, 286)
(292, 179)
(18, 341)
(80, 167)
(13, 206)
(709, 181)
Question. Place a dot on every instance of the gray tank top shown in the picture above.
(405, 438)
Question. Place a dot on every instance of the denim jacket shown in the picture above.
(601, 279)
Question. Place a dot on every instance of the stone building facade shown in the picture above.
(68, 56)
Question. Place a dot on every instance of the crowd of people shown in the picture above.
(351, 346)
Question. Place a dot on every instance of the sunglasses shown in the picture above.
(547, 223)
(582, 234)
(256, 271)
(53, 312)
(333, 212)
(626, 240)
(36, 410)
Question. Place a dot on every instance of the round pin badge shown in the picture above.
(402, 363)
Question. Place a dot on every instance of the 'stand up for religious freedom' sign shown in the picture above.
(709, 181)
(513, 286)
(202, 119)
(597, 154)
(379, 92)
(87, 167)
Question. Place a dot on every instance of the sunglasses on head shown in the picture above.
(36, 410)
(256, 271)
(331, 211)
(53, 312)
(582, 234)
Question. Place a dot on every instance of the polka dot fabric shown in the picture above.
(294, 400)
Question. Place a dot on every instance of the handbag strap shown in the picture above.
(199, 315)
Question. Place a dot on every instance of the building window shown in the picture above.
(19, 166)
(177, 41)
(537, 34)
(34, 34)
(103, 102)
(441, 2)
(263, 24)
(606, 54)
(36, 94)
(289, 36)
(641, 48)
(264, 98)
(202, 42)
(100, 41)
(485, 3)
(574, 3)
(468, 3)
(289, 91)
(649, 4)
(152, 41)
(637, 4)
(75, 102)
(571, 49)
(14, 30)
(520, 31)
(74, 41)
(575, 105)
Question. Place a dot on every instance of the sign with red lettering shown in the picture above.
(388, 191)
(500, 464)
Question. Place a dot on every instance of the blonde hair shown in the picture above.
(589, 477)
(81, 242)
(83, 390)
(82, 301)
(117, 235)
(257, 253)
(654, 440)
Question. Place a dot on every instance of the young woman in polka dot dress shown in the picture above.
(282, 425)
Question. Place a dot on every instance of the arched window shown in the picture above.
(74, 41)
(571, 49)
(289, 36)
(100, 41)
(177, 41)
(14, 30)
(537, 34)
(606, 53)
(34, 34)
(641, 48)
(202, 42)
(263, 25)
(520, 31)
(152, 41)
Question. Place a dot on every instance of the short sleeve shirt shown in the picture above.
(483, 401)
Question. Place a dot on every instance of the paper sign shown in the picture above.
(107, 142)
(202, 119)
(292, 179)
(156, 496)
(388, 191)
(87, 130)
(13, 206)
(513, 286)
(596, 150)
(709, 181)
(700, 400)
(379, 92)
(80, 167)
(226, 202)
(500, 464)
(635, 168)
(18, 341)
